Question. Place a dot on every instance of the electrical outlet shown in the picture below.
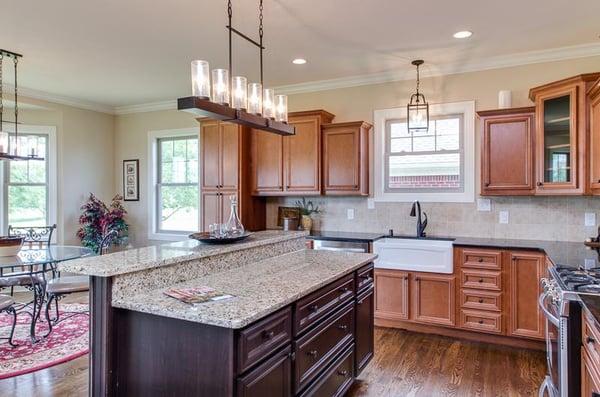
(371, 204)
(589, 263)
(590, 219)
(503, 217)
(484, 204)
(350, 213)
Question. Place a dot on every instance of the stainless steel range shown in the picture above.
(559, 302)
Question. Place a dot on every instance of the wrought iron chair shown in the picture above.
(6, 305)
(58, 287)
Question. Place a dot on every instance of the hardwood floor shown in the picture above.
(405, 364)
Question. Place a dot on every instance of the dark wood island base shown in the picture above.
(315, 346)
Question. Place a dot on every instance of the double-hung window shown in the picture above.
(432, 165)
(176, 184)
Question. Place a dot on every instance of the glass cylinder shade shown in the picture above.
(3, 142)
(281, 112)
(269, 103)
(220, 86)
(200, 79)
(239, 92)
(255, 98)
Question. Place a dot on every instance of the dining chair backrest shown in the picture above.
(33, 235)
(106, 241)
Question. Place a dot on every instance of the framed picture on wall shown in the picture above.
(131, 180)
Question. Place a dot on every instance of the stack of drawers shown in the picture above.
(480, 293)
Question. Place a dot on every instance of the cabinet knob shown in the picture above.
(313, 308)
(480, 260)
(312, 353)
(540, 184)
(480, 300)
(480, 280)
(268, 334)
(590, 340)
(343, 290)
(406, 277)
(343, 327)
(487, 184)
(417, 278)
(598, 180)
(480, 321)
(343, 373)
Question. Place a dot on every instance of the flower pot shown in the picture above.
(306, 222)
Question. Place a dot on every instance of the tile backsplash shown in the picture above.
(531, 218)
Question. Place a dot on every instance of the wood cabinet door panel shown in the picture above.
(364, 334)
(210, 148)
(507, 154)
(341, 164)
(272, 378)
(229, 155)
(267, 162)
(590, 379)
(595, 144)
(525, 271)
(210, 209)
(302, 156)
(432, 299)
(391, 294)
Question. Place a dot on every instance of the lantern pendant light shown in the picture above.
(417, 110)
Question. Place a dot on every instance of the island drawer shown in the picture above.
(337, 378)
(481, 279)
(317, 305)
(364, 278)
(482, 259)
(260, 339)
(315, 350)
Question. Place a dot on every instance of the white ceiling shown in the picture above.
(118, 53)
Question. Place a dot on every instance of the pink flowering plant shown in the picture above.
(98, 220)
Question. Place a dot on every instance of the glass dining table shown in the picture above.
(38, 263)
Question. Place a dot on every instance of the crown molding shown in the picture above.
(146, 107)
(497, 62)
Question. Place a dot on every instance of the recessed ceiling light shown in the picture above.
(463, 34)
(299, 61)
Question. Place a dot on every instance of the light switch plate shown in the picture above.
(350, 213)
(371, 204)
(590, 219)
(484, 204)
(503, 217)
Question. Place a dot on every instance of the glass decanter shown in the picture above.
(234, 225)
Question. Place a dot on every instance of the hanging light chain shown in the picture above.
(418, 82)
(16, 61)
(260, 18)
(1, 91)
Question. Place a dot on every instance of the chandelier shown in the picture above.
(220, 95)
(417, 109)
(12, 146)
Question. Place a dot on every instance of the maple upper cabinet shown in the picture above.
(290, 165)
(562, 144)
(346, 158)
(224, 172)
(507, 151)
(594, 100)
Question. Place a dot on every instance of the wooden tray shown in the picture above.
(205, 237)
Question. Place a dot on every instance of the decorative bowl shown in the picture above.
(10, 245)
(205, 237)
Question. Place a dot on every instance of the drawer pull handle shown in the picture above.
(343, 373)
(480, 321)
(268, 334)
(312, 353)
(481, 280)
(313, 308)
(365, 277)
(480, 260)
(344, 289)
(343, 327)
(480, 300)
(591, 340)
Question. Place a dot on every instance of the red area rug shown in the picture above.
(68, 340)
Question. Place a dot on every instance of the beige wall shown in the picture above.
(85, 146)
(530, 218)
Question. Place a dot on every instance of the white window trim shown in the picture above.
(50, 132)
(467, 108)
(153, 137)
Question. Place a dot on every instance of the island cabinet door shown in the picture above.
(433, 299)
(391, 294)
(526, 271)
(364, 334)
(272, 378)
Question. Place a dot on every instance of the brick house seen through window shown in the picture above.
(425, 161)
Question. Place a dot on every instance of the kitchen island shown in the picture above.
(300, 322)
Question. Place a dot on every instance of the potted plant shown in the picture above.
(98, 220)
(307, 208)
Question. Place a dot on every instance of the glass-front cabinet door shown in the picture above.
(557, 141)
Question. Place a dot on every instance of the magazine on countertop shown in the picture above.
(196, 295)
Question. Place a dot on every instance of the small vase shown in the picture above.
(306, 222)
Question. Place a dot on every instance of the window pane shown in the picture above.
(179, 159)
(27, 205)
(398, 130)
(192, 164)
(178, 208)
(424, 144)
(448, 133)
(399, 145)
(424, 171)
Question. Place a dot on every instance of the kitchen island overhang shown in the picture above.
(296, 324)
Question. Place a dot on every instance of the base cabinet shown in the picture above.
(590, 379)
(391, 294)
(273, 378)
(364, 330)
(433, 299)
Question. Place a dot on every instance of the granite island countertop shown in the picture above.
(146, 258)
(258, 288)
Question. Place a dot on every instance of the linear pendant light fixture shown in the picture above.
(11, 145)
(417, 110)
(219, 95)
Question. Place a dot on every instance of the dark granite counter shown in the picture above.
(344, 236)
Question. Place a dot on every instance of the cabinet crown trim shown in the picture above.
(362, 124)
(581, 78)
(318, 112)
(594, 90)
(507, 111)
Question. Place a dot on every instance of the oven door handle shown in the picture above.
(546, 386)
(551, 317)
